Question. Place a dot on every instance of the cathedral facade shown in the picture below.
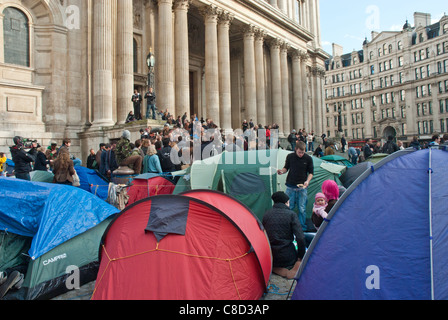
(68, 68)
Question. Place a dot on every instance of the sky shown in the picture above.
(349, 22)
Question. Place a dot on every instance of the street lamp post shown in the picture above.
(150, 62)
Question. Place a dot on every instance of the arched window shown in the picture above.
(390, 49)
(445, 28)
(16, 37)
(400, 45)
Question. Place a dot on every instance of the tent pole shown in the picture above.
(430, 171)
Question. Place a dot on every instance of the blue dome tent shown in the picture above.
(386, 237)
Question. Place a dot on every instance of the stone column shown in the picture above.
(225, 102)
(282, 5)
(285, 88)
(260, 76)
(102, 63)
(211, 63)
(250, 82)
(297, 89)
(277, 105)
(125, 58)
(2, 40)
(317, 101)
(165, 59)
(182, 57)
(306, 106)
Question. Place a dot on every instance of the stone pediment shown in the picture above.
(383, 36)
(388, 121)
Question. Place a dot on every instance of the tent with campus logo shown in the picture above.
(386, 237)
(200, 245)
(46, 228)
(251, 177)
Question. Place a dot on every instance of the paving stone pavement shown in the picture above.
(278, 289)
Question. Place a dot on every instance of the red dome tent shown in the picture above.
(200, 245)
(145, 187)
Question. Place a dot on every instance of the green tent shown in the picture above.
(42, 176)
(375, 158)
(13, 249)
(47, 276)
(251, 177)
(338, 160)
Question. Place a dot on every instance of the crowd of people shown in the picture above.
(29, 156)
(370, 148)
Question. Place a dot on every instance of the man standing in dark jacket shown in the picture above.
(22, 159)
(283, 226)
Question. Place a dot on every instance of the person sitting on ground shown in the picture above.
(282, 227)
(130, 117)
(319, 213)
(318, 152)
(123, 153)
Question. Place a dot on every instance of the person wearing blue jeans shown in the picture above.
(300, 168)
(150, 97)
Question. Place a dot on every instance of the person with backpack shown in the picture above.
(164, 155)
(123, 153)
(390, 146)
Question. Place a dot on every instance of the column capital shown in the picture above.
(260, 34)
(299, 54)
(159, 2)
(275, 43)
(285, 46)
(225, 17)
(182, 4)
(249, 31)
(318, 71)
(210, 12)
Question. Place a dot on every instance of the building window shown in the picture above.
(16, 37)
(135, 53)
(445, 28)
(400, 45)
